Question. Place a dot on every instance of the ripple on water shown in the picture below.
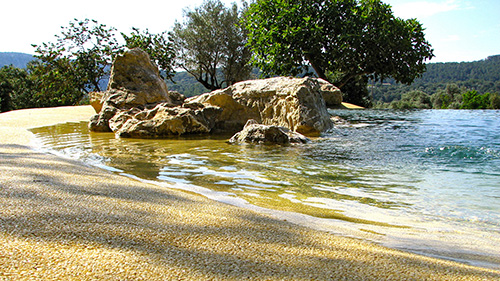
(435, 173)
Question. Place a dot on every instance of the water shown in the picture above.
(424, 181)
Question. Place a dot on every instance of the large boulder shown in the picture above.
(135, 82)
(293, 103)
(331, 94)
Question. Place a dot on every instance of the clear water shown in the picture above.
(425, 181)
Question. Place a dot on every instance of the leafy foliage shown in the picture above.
(84, 48)
(212, 40)
(14, 88)
(482, 76)
(413, 100)
(453, 97)
(345, 39)
(473, 100)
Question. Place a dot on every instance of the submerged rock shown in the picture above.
(137, 104)
(258, 133)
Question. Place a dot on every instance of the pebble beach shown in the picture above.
(62, 219)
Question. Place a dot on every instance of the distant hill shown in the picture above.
(482, 76)
(18, 60)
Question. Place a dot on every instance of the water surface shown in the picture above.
(425, 181)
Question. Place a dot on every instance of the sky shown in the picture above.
(458, 30)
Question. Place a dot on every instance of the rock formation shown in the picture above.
(294, 103)
(331, 94)
(258, 133)
(137, 104)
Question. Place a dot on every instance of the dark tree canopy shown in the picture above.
(339, 39)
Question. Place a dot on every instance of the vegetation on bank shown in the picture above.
(453, 97)
(218, 46)
(445, 85)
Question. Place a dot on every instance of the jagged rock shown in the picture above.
(163, 121)
(294, 103)
(134, 74)
(258, 133)
(134, 83)
(331, 94)
(137, 104)
(176, 97)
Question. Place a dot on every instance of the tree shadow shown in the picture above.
(46, 198)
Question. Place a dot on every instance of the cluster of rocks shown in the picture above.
(138, 104)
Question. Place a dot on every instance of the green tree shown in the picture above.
(15, 88)
(413, 100)
(347, 37)
(211, 45)
(473, 100)
(159, 47)
(54, 83)
(450, 98)
(80, 56)
(495, 101)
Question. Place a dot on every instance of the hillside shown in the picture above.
(16, 59)
(482, 76)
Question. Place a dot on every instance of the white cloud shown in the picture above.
(422, 9)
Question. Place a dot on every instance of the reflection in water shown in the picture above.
(392, 177)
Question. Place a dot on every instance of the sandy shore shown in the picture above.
(63, 220)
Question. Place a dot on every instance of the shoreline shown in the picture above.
(64, 219)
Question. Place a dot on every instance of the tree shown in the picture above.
(15, 88)
(413, 100)
(451, 98)
(54, 83)
(158, 46)
(495, 101)
(211, 45)
(81, 57)
(347, 38)
(473, 100)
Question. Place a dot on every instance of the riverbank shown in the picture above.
(61, 219)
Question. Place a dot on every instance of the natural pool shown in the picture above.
(426, 181)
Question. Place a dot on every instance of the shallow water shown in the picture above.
(426, 181)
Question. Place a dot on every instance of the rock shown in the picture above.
(294, 103)
(331, 94)
(267, 134)
(163, 121)
(134, 83)
(137, 80)
(176, 97)
(95, 99)
(137, 104)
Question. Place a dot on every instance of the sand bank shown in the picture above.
(63, 220)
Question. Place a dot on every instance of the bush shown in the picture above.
(473, 100)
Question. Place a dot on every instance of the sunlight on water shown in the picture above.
(426, 181)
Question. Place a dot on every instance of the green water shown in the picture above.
(424, 181)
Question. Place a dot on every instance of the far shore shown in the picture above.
(62, 219)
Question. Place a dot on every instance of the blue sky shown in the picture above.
(459, 30)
